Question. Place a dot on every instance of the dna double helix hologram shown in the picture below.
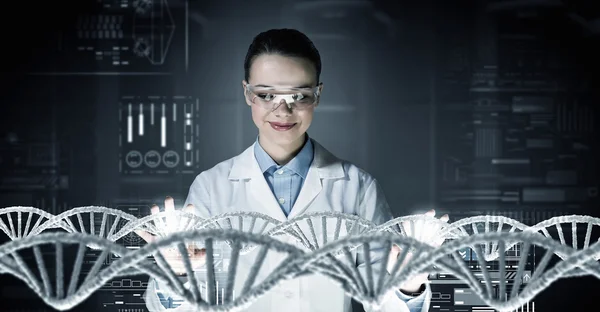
(135, 262)
(326, 243)
(36, 215)
(469, 226)
(331, 225)
(365, 289)
(247, 222)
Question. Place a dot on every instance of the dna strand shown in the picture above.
(111, 220)
(331, 225)
(33, 214)
(162, 223)
(549, 228)
(365, 285)
(408, 225)
(40, 217)
(135, 262)
(371, 289)
(330, 257)
(165, 222)
(58, 297)
(107, 228)
(114, 225)
(473, 225)
(560, 221)
(303, 228)
(247, 222)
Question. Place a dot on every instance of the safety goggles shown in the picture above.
(270, 97)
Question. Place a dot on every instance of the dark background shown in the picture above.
(469, 107)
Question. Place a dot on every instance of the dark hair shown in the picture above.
(285, 42)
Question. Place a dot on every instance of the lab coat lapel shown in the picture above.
(310, 189)
(324, 166)
(265, 201)
(261, 198)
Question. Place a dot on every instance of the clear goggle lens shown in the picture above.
(268, 97)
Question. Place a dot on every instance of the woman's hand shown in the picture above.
(172, 255)
(424, 232)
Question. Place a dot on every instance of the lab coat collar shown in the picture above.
(327, 166)
(324, 166)
(299, 164)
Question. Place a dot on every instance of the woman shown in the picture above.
(285, 173)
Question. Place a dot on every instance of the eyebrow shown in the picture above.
(299, 87)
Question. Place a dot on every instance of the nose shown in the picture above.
(282, 108)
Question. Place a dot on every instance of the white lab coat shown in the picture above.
(237, 184)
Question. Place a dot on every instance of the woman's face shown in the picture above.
(282, 126)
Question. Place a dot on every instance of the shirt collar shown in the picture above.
(299, 164)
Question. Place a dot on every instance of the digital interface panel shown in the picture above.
(120, 36)
(158, 135)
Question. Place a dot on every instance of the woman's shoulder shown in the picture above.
(218, 170)
(356, 172)
(351, 170)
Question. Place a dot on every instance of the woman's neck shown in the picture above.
(282, 154)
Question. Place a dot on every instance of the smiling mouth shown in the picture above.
(279, 126)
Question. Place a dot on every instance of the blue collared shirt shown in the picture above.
(286, 180)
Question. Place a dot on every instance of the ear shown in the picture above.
(320, 92)
(244, 83)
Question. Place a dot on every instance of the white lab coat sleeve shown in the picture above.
(198, 195)
(393, 301)
(151, 297)
(374, 207)
(417, 303)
